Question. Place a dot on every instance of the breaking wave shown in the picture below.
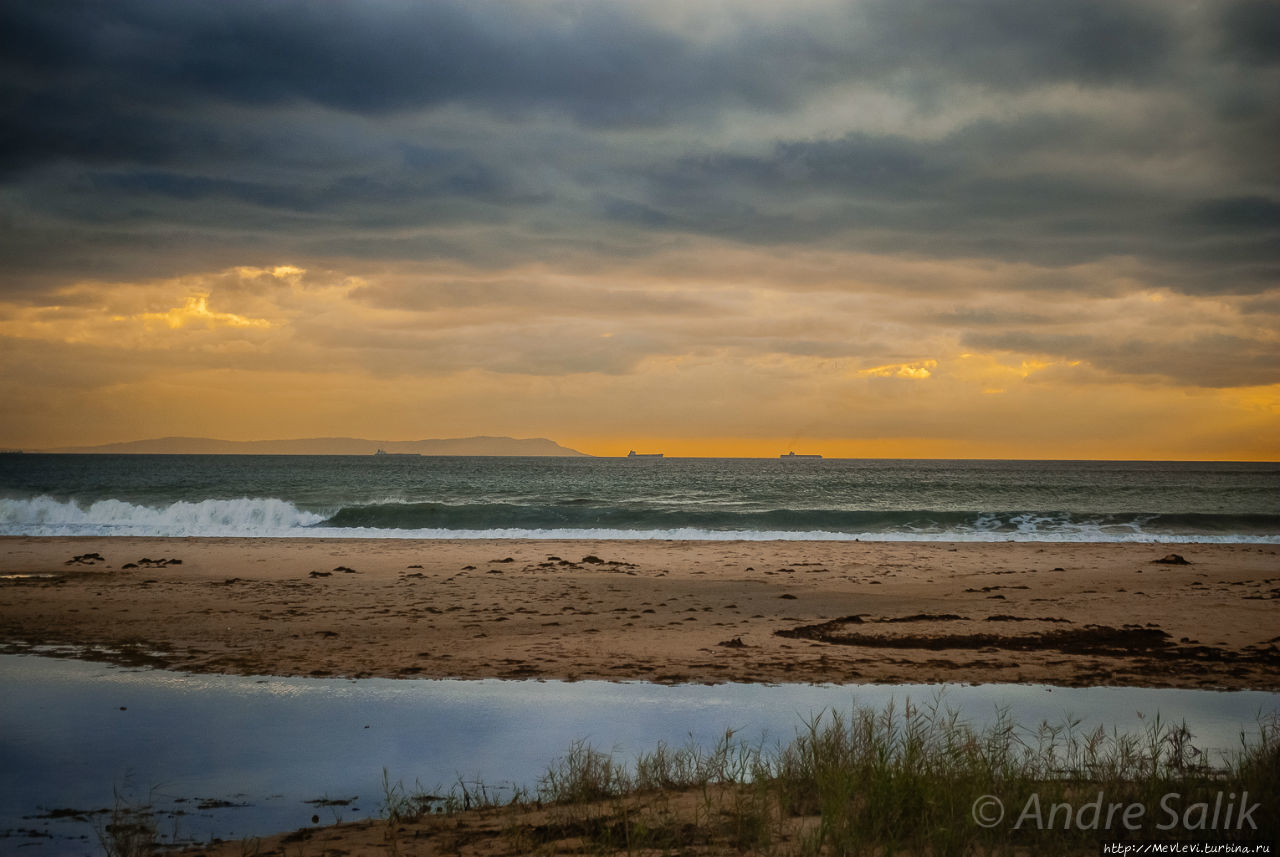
(47, 516)
(270, 517)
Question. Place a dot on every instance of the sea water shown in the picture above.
(613, 498)
(236, 756)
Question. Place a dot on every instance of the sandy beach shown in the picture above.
(663, 611)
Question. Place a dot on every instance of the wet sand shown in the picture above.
(1067, 614)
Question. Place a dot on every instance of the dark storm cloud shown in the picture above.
(75, 61)
(469, 180)
(146, 136)
(1250, 31)
(1237, 213)
(141, 81)
(961, 196)
(121, 81)
(1010, 44)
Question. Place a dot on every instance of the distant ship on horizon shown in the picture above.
(791, 455)
(634, 454)
(384, 452)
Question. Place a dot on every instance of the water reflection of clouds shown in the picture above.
(70, 730)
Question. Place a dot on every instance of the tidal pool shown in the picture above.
(231, 756)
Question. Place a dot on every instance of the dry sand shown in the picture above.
(1068, 614)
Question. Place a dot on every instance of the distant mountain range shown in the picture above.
(331, 446)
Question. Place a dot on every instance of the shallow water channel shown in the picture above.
(233, 756)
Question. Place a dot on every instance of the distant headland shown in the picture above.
(481, 445)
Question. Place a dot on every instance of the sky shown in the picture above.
(863, 228)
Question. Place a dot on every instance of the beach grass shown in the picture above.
(129, 829)
(899, 780)
(914, 780)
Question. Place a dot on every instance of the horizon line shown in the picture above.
(576, 454)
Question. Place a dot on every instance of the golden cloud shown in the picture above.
(196, 309)
(917, 371)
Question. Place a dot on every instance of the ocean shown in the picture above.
(612, 498)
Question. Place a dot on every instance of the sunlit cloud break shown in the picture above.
(196, 309)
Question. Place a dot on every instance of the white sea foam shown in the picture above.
(47, 516)
(265, 517)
